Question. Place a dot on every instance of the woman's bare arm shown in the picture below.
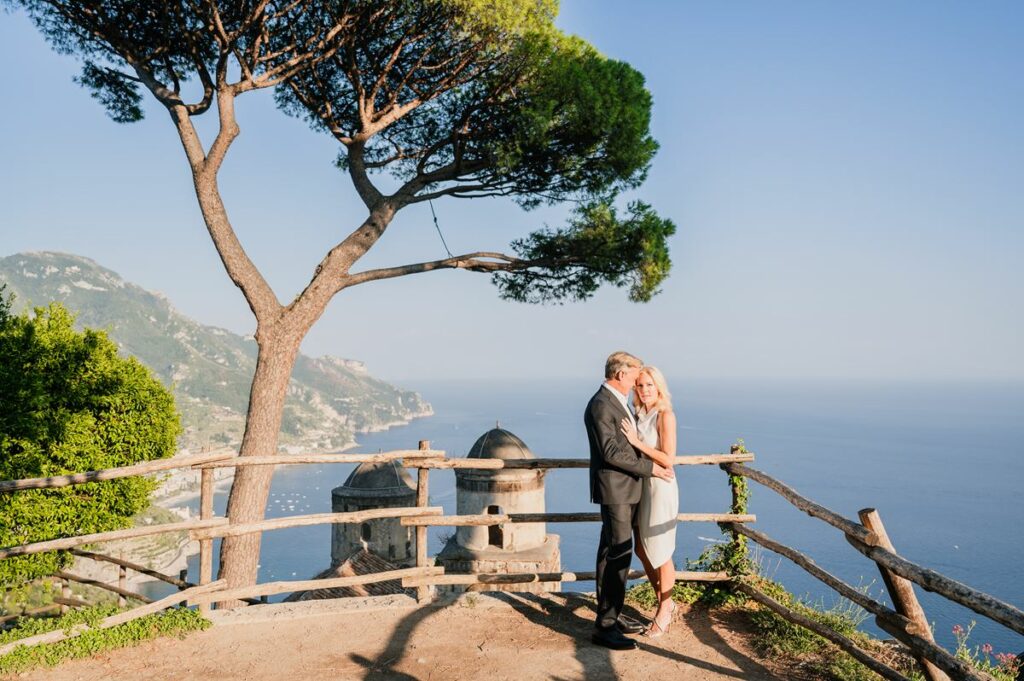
(658, 456)
(667, 434)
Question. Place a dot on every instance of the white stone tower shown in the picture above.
(374, 485)
(510, 547)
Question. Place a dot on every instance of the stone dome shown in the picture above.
(378, 480)
(498, 443)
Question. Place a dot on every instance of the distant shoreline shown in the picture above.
(221, 483)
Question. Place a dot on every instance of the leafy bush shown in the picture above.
(71, 404)
(683, 592)
(175, 621)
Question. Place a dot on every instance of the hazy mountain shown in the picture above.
(209, 369)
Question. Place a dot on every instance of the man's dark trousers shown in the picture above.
(614, 555)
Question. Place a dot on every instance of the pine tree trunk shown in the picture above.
(280, 330)
(247, 502)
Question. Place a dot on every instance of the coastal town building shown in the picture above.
(508, 547)
(385, 544)
(374, 485)
(377, 545)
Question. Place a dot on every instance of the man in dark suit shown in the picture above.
(616, 470)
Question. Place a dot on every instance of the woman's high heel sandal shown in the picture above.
(662, 620)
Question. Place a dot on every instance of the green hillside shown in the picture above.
(209, 369)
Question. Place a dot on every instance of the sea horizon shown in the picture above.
(939, 461)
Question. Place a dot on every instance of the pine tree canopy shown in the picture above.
(460, 98)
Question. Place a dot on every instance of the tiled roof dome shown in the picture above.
(384, 479)
(498, 443)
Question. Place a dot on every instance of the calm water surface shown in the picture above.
(941, 462)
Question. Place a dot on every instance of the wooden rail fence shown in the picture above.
(906, 622)
(423, 576)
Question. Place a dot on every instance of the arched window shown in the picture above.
(365, 529)
(495, 535)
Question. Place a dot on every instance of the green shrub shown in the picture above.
(683, 592)
(71, 404)
(175, 621)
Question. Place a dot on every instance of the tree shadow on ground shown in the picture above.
(383, 667)
(557, 611)
(555, 614)
(572, 615)
(595, 660)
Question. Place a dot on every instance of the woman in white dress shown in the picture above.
(655, 436)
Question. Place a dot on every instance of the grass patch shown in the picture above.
(710, 593)
(776, 637)
(779, 638)
(172, 622)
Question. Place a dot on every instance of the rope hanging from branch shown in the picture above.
(438, 227)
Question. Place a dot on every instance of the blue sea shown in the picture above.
(942, 462)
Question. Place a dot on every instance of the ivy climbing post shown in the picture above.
(736, 561)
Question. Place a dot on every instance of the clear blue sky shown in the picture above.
(846, 179)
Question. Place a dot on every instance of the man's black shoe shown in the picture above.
(612, 638)
(629, 626)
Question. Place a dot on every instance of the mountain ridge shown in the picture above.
(209, 368)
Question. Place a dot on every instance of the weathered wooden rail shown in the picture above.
(421, 517)
(423, 576)
(905, 622)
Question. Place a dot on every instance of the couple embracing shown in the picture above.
(632, 446)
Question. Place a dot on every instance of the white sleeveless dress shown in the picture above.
(659, 502)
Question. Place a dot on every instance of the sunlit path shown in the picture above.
(499, 636)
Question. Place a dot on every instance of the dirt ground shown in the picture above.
(478, 636)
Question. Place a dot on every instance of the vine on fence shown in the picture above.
(735, 556)
(731, 556)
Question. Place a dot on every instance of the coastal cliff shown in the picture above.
(208, 368)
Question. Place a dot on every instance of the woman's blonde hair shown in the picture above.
(664, 403)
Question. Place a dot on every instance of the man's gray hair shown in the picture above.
(620, 361)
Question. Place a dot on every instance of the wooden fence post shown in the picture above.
(901, 591)
(122, 582)
(423, 593)
(65, 592)
(55, 585)
(736, 560)
(734, 490)
(205, 545)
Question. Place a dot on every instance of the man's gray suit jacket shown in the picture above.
(616, 468)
